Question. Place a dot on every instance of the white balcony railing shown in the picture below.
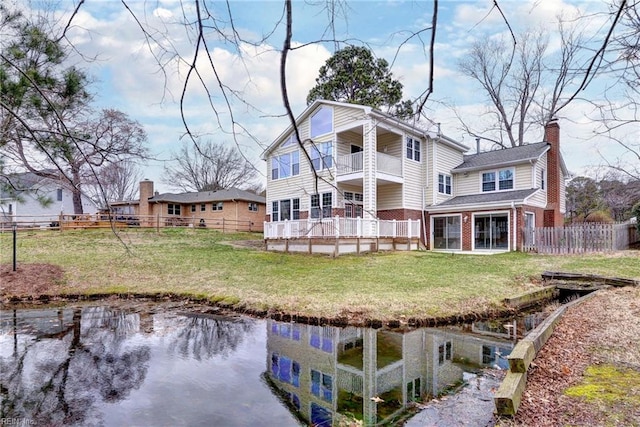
(351, 163)
(341, 227)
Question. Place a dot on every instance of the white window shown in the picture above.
(322, 155)
(353, 204)
(543, 178)
(321, 205)
(413, 149)
(216, 206)
(285, 165)
(59, 194)
(292, 140)
(203, 207)
(173, 209)
(287, 209)
(497, 180)
(321, 122)
(444, 183)
(253, 207)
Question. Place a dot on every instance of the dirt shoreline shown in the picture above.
(39, 284)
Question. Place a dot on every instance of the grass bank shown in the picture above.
(383, 286)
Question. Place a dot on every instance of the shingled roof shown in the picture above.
(209, 196)
(506, 157)
(488, 198)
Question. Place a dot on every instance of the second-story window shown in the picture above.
(444, 183)
(497, 180)
(322, 155)
(413, 149)
(59, 194)
(543, 179)
(285, 165)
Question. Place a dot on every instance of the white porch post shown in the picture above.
(336, 225)
(369, 143)
(287, 229)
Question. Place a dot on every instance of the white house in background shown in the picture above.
(29, 199)
(362, 174)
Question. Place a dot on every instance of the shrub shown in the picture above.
(601, 216)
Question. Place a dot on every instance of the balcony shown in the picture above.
(350, 167)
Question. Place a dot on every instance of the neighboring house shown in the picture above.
(30, 199)
(239, 209)
(372, 165)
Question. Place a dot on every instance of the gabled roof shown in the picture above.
(497, 197)
(10, 185)
(506, 157)
(417, 127)
(208, 196)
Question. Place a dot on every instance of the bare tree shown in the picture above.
(47, 125)
(619, 119)
(115, 182)
(515, 75)
(209, 166)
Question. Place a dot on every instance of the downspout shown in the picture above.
(515, 227)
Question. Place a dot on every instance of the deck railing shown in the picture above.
(341, 227)
(352, 163)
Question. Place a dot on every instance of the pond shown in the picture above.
(138, 363)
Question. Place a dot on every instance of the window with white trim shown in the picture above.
(321, 122)
(413, 149)
(499, 180)
(444, 183)
(285, 165)
(322, 155)
(543, 178)
(59, 194)
(353, 204)
(286, 209)
(216, 206)
(292, 140)
(253, 207)
(203, 207)
(321, 205)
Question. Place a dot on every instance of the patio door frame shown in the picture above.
(447, 234)
(492, 237)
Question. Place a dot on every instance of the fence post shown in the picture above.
(15, 244)
(409, 228)
(337, 226)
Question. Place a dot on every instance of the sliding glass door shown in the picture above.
(446, 232)
(491, 231)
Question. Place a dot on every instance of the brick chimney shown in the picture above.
(146, 192)
(552, 215)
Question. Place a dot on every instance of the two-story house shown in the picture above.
(360, 173)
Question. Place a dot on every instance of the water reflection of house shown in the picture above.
(328, 375)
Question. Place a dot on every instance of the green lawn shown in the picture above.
(383, 286)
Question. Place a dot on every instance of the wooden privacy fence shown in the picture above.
(580, 238)
(84, 221)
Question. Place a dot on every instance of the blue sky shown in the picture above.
(128, 76)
